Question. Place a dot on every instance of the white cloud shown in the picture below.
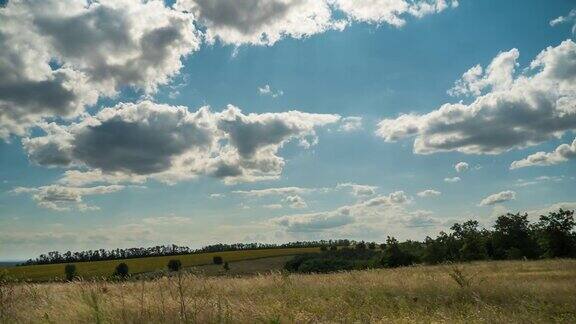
(358, 190)
(392, 12)
(536, 106)
(568, 19)
(264, 22)
(351, 124)
(167, 220)
(260, 22)
(561, 154)
(429, 193)
(60, 198)
(172, 144)
(272, 206)
(282, 191)
(499, 75)
(452, 180)
(266, 90)
(296, 202)
(59, 56)
(497, 198)
(217, 195)
(343, 216)
(461, 167)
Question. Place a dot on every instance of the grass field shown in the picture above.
(489, 292)
(141, 265)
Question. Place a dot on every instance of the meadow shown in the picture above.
(98, 269)
(483, 291)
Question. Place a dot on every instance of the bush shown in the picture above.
(70, 271)
(226, 266)
(174, 265)
(361, 246)
(323, 248)
(122, 270)
(217, 260)
(372, 245)
(333, 248)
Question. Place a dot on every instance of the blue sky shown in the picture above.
(338, 177)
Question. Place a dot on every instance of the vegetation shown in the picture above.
(174, 265)
(122, 270)
(540, 291)
(70, 271)
(217, 259)
(99, 269)
(168, 250)
(513, 237)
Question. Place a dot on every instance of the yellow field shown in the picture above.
(490, 292)
(140, 265)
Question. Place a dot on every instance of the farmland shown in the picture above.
(483, 291)
(99, 269)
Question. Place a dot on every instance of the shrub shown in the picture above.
(122, 270)
(372, 245)
(174, 265)
(333, 248)
(70, 271)
(361, 246)
(226, 266)
(323, 248)
(217, 260)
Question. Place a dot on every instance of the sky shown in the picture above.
(137, 123)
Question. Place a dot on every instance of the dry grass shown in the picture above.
(504, 292)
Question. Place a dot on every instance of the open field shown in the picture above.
(141, 265)
(503, 291)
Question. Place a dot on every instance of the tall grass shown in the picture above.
(504, 292)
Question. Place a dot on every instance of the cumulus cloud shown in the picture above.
(358, 190)
(351, 124)
(61, 198)
(568, 19)
(497, 198)
(452, 180)
(171, 144)
(260, 22)
(296, 202)
(60, 56)
(264, 22)
(561, 154)
(514, 113)
(429, 193)
(392, 12)
(461, 167)
(266, 90)
(275, 191)
(346, 215)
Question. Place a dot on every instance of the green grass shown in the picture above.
(106, 268)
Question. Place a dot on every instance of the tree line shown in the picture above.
(166, 250)
(512, 237)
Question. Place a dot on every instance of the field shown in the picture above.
(106, 268)
(502, 291)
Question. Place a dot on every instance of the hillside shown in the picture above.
(97, 269)
(486, 291)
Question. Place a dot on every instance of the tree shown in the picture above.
(226, 266)
(471, 240)
(174, 265)
(70, 271)
(333, 248)
(122, 270)
(361, 246)
(394, 256)
(512, 237)
(555, 234)
(323, 248)
(217, 260)
(372, 245)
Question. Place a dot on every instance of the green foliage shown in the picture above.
(122, 270)
(333, 248)
(338, 260)
(174, 265)
(226, 266)
(217, 260)
(394, 256)
(323, 248)
(555, 234)
(70, 271)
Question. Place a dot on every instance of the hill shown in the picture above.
(98, 269)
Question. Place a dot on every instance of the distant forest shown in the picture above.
(167, 250)
(511, 237)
